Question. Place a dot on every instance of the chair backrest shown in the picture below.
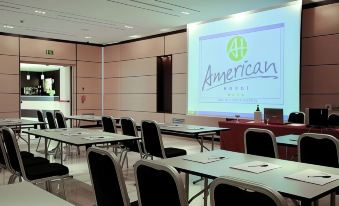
(3, 155)
(128, 126)
(241, 192)
(296, 117)
(109, 124)
(50, 120)
(158, 184)
(333, 120)
(12, 152)
(107, 178)
(319, 149)
(151, 137)
(41, 118)
(260, 142)
(59, 116)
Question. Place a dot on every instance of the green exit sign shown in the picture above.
(49, 52)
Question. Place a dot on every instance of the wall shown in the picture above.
(9, 77)
(320, 59)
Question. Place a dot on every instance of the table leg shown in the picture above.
(46, 148)
(205, 191)
(29, 141)
(212, 141)
(61, 153)
(306, 203)
(187, 185)
(201, 143)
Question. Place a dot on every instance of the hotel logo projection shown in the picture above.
(244, 64)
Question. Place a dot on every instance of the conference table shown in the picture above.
(85, 117)
(233, 140)
(275, 178)
(79, 137)
(25, 193)
(18, 124)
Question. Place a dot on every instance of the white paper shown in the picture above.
(256, 166)
(204, 159)
(313, 176)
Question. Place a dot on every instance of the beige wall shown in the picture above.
(320, 60)
(9, 77)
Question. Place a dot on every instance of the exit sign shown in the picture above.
(49, 52)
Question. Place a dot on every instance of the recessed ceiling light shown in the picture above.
(135, 36)
(185, 12)
(8, 27)
(40, 12)
(128, 27)
(88, 37)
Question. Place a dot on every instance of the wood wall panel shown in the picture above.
(112, 112)
(139, 116)
(37, 48)
(88, 53)
(139, 67)
(9, 114)
(179, 64)
(321, 20)
(9, 83)
(88, 69)
(86, 111)
(176, 43)
(9, 45)
(179, 84)
(35, 60)
(112, 101)
(138, 102)
(112, 85)
(9, 103)
(143, 84)
(112, 53)
(197, 120)
(320, 50)
(93, 101)
(317, 101)
(88, 85)
(179, 105)
(112, 69)
(142, 49)
(313, 81)
(9, 64)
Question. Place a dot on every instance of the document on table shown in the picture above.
(256, 167)
(313, 176)
(98, 137)
(74, 133)
(204, 159)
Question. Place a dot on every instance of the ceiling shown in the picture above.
(39, 67)
(112, 21)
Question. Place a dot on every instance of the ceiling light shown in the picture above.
(8, 27)
(88, 37)
(135, 36)
(40, 12)
(128, 27)
(185, 12)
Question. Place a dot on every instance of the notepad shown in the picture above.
(313, 176)
(204, 159)
(256, 167)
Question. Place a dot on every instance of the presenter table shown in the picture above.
(25, 193)
(233, 140)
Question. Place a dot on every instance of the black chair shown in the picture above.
(129, 128)
(41, 118)
(260, 142)
(333, 120)
(59, 116)
(152, 140)
(50, 120)
(159, 184)
(109, 124)
(33, 173)
(107, 179)
(319, 149)
(296, 117)
(231, 191)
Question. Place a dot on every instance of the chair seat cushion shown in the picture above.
(26, 154)
(45, 170)
(174, 152)
(31, 161)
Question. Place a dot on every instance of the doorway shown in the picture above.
(46, 88)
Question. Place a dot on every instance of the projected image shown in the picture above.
(236, 64)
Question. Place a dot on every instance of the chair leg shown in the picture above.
(333, 195)
(37, 147)
(316, 203)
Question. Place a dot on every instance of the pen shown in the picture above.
(323, 176)
(262, 165)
